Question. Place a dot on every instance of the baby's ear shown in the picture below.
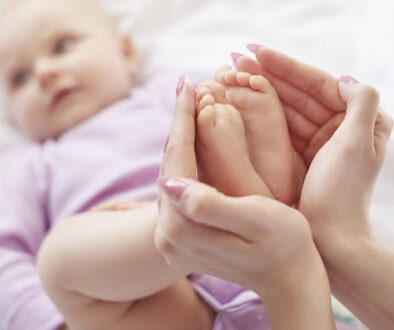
(129, 53)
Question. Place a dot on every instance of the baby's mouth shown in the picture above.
(61, 95)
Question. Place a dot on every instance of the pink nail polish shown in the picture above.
(180, 85)
(173, 187)
(348, 79)
(254, 47)
(236, 57)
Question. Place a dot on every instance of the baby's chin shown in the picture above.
(41, 125)
(58, 124)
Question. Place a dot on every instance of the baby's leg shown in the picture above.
(267, 136)
(103, 272)
(223, 159)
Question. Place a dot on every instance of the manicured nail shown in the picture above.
(236, 57)
(166, 143)
(348, 79)
(254, 47)
(180, 85)
(173, 187)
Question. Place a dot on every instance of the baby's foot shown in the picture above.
(222, 154)
(267, 136)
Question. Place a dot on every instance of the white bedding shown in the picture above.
(343, 37)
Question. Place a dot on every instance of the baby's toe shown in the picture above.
(216, 89)
(230, 78)
(260, 84)
(243, 79)
(202, 90)
(207, 100)
(221, 71)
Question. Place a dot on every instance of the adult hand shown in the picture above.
(310, 97)
(193, 223)
(338, 187)
(336, 197)
(255, 241)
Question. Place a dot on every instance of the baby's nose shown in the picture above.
(47, 72)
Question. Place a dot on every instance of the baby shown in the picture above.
(66, 79)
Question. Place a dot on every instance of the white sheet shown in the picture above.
(343, 37)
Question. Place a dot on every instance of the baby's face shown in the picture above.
(60, 62)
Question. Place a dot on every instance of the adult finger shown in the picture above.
(298, 125)
(307, 78)
(321, 137)
(179, 157)
(299, 100)
(205, 205)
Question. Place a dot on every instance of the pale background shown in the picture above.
(344, 37)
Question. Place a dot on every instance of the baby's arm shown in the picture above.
(97, 267)
(23, 301)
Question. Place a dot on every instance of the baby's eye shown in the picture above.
(20, 77)
(62, 45)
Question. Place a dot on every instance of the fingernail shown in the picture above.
(166, 143)
(180, 85)
(236, 57)
(173, 187)
(348, 79)
(345, 89)
(254, 47)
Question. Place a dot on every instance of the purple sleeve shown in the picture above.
(23, 225)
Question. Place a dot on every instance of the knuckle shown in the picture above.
(162, 244)
(369, 92)
(199, 204)
(172, 231)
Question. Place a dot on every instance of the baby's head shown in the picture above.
(60, 62)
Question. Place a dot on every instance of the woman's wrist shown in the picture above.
(335, 236)
(358, 269)
(303, 299)
(341, 240)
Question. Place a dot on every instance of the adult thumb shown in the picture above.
(362, 108)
